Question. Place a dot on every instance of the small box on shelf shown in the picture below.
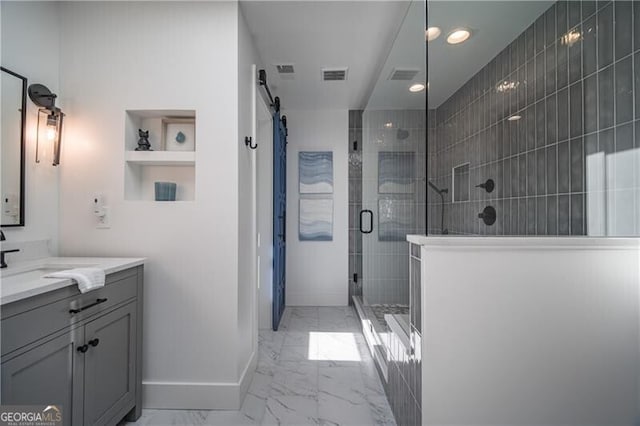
(165, 191)
(140, 181)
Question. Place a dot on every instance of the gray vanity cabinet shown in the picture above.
(80, 351)
(109, 371)
(45, 375)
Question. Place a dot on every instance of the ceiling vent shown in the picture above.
(285, 69)
(403, 74)
(334, 74)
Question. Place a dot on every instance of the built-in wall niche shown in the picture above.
(461, 183)
(172, 154)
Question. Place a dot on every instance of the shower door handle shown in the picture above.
(362, 213)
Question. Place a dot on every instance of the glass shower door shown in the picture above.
(394, 169)
(393, 203)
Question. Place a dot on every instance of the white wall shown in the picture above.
(29, 46)
(163, 55)
(317, 271)
(247, 221)
(525, 331)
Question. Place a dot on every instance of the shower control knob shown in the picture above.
(488, 186)
(488, 215)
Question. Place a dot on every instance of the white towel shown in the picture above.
(87, 278)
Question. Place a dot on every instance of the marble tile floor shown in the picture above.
(316, 370)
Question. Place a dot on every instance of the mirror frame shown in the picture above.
(23, 132)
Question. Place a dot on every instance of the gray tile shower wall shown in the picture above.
(402, 387)
(573, 78)
(355, 203)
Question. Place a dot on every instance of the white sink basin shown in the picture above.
(35, 272)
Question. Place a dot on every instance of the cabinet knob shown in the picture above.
(94, 342)
(82, 349)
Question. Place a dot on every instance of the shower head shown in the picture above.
(438, 190)
(402, 134)
(441, 193)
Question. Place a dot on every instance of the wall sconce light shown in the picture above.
(42, 97)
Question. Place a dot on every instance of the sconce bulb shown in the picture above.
(51, 134)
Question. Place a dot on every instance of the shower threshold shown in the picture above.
(378, 322)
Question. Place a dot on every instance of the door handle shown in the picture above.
(82, 349)
(362, 213)
(94, 342)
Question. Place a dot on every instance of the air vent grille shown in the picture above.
(285, 69)
(403, 74)
(334, 74)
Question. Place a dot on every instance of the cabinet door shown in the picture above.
(109, 374)
(49, 374)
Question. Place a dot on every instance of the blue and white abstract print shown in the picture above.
(395, 219)
(315, 172)
(316, 219)
(396, 172)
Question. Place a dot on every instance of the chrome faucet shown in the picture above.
(3, 264)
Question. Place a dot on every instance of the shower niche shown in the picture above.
(166, 161)
(461, 183)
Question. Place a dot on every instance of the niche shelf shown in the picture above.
(144, 168)
(161, 158)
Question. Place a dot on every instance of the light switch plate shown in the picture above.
(104, 222)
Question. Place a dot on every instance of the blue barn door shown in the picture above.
(279, 213)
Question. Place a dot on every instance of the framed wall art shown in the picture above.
(178, 134)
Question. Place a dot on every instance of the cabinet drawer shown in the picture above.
(26, 327)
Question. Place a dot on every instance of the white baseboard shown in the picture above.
(247, 375)
(199, 396)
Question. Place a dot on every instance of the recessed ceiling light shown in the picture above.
(388, 125)
(415, 88)
(459, 35)
(432, 33)
(514, 118)
(571, 38)
(506, 85)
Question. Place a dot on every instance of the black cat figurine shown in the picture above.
(143, 142)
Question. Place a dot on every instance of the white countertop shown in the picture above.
(516, 242)
(15, 286)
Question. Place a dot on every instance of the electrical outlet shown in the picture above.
(97, 201)
(10, 205)
(104, 221)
